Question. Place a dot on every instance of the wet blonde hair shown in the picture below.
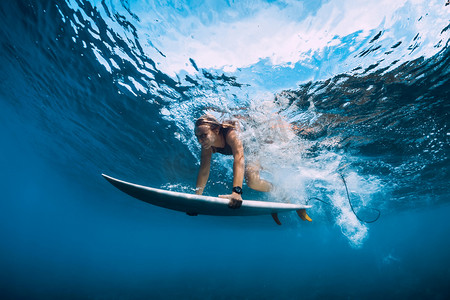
(213, 123)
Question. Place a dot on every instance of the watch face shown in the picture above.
(237, 189)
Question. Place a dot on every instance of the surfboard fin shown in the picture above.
(303, 215)
(275, 218)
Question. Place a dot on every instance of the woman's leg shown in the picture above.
(254, 181)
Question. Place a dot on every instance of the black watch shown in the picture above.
(237, 190)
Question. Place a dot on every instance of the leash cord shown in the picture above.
(351, 205)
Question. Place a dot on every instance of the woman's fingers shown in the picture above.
(234, 203)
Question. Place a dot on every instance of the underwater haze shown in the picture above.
(346, 107)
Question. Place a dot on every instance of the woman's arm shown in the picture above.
(235, 143)
(238, 155)
(203, 172)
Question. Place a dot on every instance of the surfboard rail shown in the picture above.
(193, 204)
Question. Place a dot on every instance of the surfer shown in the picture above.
(216, 137)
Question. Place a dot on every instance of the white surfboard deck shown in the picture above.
(197, 204)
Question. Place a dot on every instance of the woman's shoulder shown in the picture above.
(232, 136)
(227, 131)
(230, 130)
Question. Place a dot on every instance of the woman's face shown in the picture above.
(205, 136)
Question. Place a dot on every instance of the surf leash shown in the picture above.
(353, 210)
(351, 205)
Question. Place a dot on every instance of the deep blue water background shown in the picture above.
(66, 233)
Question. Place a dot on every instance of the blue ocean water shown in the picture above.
(320, 88)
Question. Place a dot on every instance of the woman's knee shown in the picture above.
(255, 182)
(250, 176)
(251, 180)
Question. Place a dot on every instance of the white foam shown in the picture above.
(281, 154)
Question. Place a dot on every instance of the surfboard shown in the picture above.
(204, 205)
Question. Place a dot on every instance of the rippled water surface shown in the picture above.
(323, 90)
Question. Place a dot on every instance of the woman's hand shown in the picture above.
(235, 200)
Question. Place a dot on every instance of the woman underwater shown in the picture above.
(216, 137)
